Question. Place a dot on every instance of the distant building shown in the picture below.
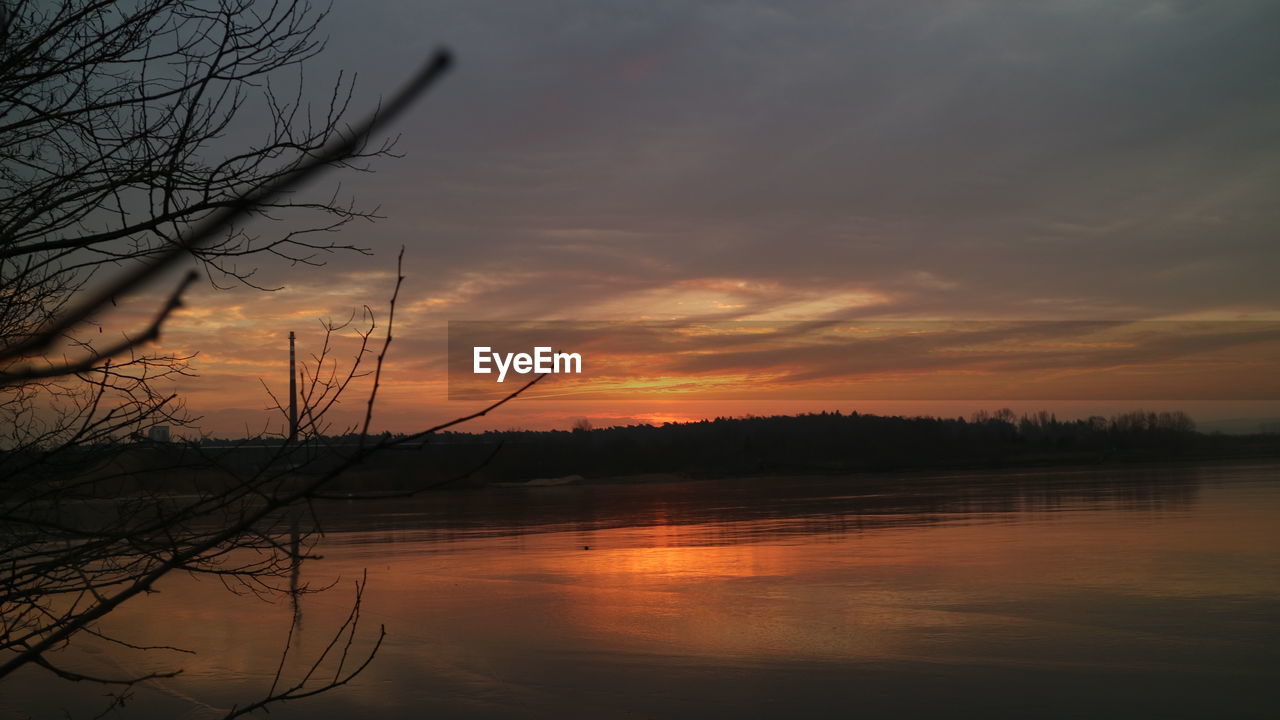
(158, 433)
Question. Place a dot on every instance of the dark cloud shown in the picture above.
(1114, 156)
(964, 159)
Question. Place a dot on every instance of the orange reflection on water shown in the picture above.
(526, 598)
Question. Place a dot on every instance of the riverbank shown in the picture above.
(822, 444)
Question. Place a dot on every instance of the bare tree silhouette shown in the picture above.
(115, 168)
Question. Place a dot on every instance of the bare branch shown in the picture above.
(233, 211)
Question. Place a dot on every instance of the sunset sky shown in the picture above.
(962, 160)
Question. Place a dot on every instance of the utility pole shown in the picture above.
(293, 392)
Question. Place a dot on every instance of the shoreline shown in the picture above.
(941, 472)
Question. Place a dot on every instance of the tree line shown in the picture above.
(824, 442)
(835, 442)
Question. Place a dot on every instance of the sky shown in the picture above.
(812, 161)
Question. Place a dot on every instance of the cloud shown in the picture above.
(963, 160)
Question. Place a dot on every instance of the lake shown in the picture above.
(1117, 592)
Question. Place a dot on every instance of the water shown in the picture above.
(1087, 593)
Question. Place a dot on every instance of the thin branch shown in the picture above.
(386, 343)
(225, 216)
(151, 333)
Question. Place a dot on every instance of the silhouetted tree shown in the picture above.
(117, 165)
(824, 442)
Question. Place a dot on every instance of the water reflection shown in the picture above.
(1136, 593)
(744, 509)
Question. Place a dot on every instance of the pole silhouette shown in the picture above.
(293, 391)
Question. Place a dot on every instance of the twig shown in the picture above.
(28, 373)
(386, 343)
(226, 215)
